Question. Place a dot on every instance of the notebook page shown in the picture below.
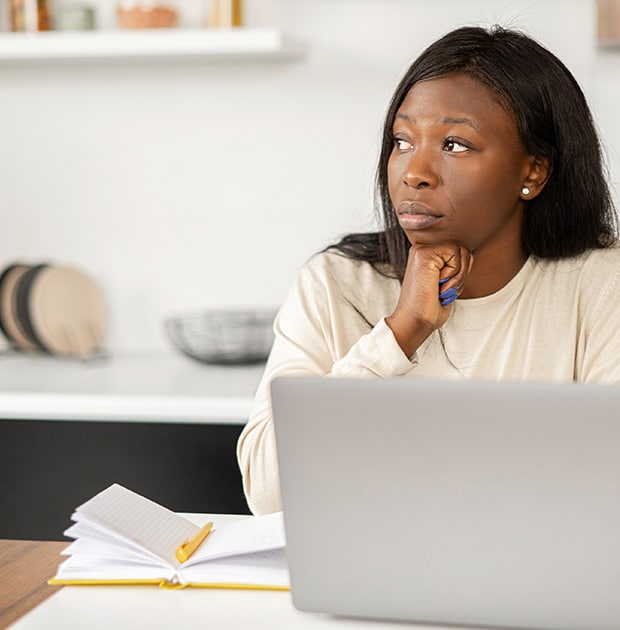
(265, 568)
(140, 520)
(86, 532)
(250, 535)
(93, 548)
(75, 568)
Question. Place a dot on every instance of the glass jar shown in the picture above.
(30, 15)
(147, 14)
(225, 13)
(76, 17)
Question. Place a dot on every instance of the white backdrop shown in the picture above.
(186, 185)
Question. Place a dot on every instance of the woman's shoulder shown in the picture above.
(334, 279)
(587, 274)
(602, 255)
(331, 265)
(594, 261)
(340, 289)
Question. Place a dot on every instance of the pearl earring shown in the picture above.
(525, 190)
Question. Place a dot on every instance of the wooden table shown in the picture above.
(25, 567)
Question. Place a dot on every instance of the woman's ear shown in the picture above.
(538, 171)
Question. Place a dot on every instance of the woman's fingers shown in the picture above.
(459, 265)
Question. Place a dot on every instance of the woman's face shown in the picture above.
(457, 166)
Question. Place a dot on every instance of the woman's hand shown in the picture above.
(434, 278)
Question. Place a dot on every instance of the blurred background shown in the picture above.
(184, 183)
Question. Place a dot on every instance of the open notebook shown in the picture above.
(124, 538)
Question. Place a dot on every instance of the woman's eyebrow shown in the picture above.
(460, 121)
(447, 120)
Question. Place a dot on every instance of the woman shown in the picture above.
(491, 188)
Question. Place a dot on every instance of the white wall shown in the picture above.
(182, 186)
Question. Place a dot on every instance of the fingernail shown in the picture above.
(449, 300)
(448, 293)
(444, 281)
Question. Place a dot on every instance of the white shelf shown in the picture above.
(234, 43)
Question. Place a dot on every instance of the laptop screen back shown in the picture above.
(492, 504)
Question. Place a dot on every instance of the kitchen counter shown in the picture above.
(161, 424)
(158, 387)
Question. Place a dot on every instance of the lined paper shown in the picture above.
(140, 520)
(257, 534)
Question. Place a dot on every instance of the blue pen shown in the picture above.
(448, 296)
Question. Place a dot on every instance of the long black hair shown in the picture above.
(574, 212)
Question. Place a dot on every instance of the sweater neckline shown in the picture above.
(514, 286)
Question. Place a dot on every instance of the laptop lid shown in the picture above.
(466, 503)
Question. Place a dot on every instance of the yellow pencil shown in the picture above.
(185, 551)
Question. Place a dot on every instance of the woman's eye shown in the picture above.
(402, 145)
(453, 146)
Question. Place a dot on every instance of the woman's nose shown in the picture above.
(421, 171)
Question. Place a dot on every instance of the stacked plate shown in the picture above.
(52, 309)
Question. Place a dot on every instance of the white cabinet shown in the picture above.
(161, 425)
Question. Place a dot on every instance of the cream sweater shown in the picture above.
(554, 321)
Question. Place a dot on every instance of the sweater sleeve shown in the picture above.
(318, 331)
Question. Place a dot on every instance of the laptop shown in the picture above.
(452, 503)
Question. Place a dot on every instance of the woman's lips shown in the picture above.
(414, 216)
